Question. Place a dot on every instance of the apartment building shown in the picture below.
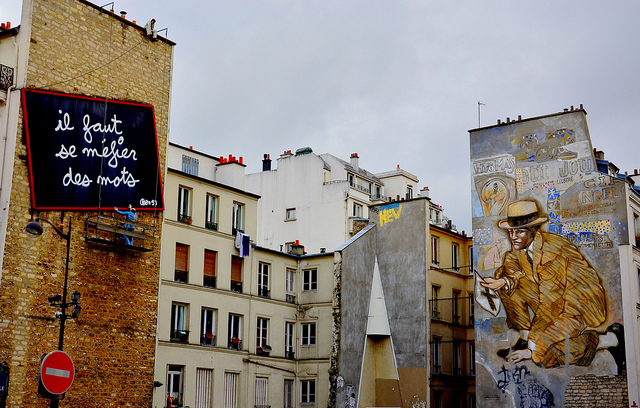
(238, 325)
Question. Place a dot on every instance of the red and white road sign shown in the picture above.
(57, 372)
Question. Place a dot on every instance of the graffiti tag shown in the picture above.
(529, 149)
(389, 213)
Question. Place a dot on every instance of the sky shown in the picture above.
(397, 82)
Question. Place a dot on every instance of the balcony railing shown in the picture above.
(264, 350)
(291, 298)
(236, 286)
(181, 276)
(235, 343)
(184, 218)
(209, 281)
(208, 339)
(290, 354)
(180, 336)
(211, 226)
(6, 77)
(264, 292)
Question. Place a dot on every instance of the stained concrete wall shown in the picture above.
(575, 271)
(399, 241)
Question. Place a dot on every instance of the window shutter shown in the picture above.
(236, 269)
(209, 263)
(182, 256)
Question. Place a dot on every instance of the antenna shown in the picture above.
(479, 104)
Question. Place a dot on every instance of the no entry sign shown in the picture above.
(57, 372)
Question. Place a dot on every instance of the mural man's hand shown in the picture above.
(492, 283)
(517, 356)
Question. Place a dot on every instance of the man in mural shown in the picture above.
(550, 292)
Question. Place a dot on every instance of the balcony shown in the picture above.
(209, 281)
(208, 339)
(180, 336)
(264, 292)
(290, 299)
(289, 354)
(236, 286)
(213, 226)
(186, 219)
(264, 350)
(117, 232)
(235, 343)
(181, 276)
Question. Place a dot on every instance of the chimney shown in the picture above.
(287, 153)
(266, 162)
(599, 154)
(424, 192)
(354, 161)
(231, 171)
(297, 249)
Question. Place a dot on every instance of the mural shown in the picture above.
(547, 227)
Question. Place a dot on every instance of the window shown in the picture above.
(263, 280)
(179, 332)
(308, 394)
(211, 222)
(288, 247)
(238, 218)
(262, 385)
(435, 250)
(175, 375)
(190, 165)
(289, 333)
(288, 393)
(290, 214)
(209, 276)
(236, 274)
(455, 249)
(184, 204)
(290, 285)
(436, 355)
(231, 390)
(357, 210)
(435, 293)
(636, 228)
(456, 359)
(204, 388)
(472, 358)
(208, 327)
(308, 334)
(310, 279)
(182, 263)
(455, 309)
(472, 316)
(235, 332)
(409, 192)
(262, 333)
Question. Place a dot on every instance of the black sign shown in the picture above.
(88, 154)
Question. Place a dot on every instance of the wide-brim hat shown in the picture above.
(522, 214)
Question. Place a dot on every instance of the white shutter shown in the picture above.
(262, 384)
(231, 390)
(204, 388)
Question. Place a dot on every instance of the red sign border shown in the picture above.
(73, 372)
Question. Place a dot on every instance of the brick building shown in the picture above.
(75, 50)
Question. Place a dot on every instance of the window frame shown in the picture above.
(208, 337)
(455, 257)
(174, 370)
(309, 334)
(237, 218)
(234, 331)
(208, 276)
(307, 391)
(289, 339)
(264, 271)
(182, 251)
(211, 212)
(262, 332)
(357, 210)
(290, 214)
(179, 329)
(185, 195)
(437, 355)
(310, 280)
(190, 165)
(435, 250)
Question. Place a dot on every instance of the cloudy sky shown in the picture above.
(397, 81)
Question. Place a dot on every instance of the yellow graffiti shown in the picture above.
(387, 215)
(602, 227)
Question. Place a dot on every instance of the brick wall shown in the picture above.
(601, 392)
(113, 341)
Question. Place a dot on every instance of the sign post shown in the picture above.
(56, 372)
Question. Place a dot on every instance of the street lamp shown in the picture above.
(35, 228)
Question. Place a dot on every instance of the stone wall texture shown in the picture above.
(77, 48)
(602, 392)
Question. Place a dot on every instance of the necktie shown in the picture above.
(529, 259)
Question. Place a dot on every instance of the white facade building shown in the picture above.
(316, 199)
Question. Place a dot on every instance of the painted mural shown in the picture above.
(547, 226)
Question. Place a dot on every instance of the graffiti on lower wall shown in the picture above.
(547, 226)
